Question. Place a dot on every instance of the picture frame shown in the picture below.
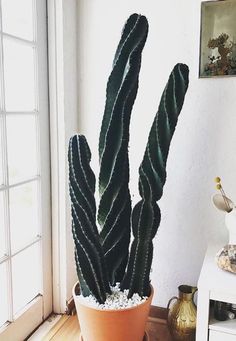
(218, 39)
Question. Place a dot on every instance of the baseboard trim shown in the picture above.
(70, 306)
(158, 312)
(157, 316)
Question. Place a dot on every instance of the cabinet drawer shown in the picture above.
(218, 336)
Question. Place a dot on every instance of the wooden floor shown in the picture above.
(67, 329)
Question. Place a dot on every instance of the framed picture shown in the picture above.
(218, 39)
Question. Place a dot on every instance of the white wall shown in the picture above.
(205, 140)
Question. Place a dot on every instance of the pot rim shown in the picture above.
(113, 310)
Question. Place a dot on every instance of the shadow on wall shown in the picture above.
(189, 220)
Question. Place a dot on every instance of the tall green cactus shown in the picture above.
(152, 176)
(101, 258)
(115, 204)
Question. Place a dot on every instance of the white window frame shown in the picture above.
(62, 46)
(39, 308)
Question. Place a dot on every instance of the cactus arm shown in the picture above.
(134, 33)
(82, 175)
(129, 25)
(145, 218)
(116, 237)
(152, 176)
(162, 130)
(89, 254)
(120, 95)
(115, 204)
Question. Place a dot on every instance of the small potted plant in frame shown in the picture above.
(113, 294)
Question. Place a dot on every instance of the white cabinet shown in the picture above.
(214, 284)
(219, 336)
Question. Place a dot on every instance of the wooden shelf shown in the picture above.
(228, 326)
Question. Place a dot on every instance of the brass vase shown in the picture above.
(182, 315)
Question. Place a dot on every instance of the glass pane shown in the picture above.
(26, 276)
(22, 147)
(17, 18)
(3, 294)
(24, 218)
(1, 151)
(2, 230)
(19, 76)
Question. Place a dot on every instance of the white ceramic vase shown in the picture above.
(226, 257)
(230, 215)
(230, 222)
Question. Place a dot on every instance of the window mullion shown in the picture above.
(24, 182)
(5, 178)
(18, 39)
(9, 113)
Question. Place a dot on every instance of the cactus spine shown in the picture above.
(152, 176)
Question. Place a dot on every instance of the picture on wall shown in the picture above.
(218, 39)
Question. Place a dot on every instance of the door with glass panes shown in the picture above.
(25, 230)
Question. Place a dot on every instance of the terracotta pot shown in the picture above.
(116, 325)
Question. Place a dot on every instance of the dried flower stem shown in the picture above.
(225, 199)
(219, 187)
